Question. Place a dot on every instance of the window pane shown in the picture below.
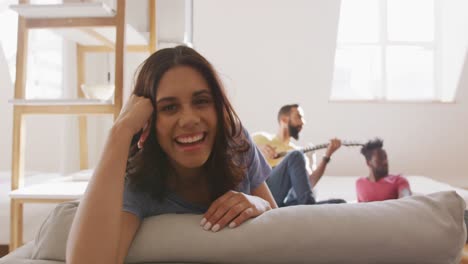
(410, 20)
(357, 73)
(44, 65)
(359, 21)
(8, 38)
(410, 73)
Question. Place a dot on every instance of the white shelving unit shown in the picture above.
(61, 190)
(52, 102)
(95, 28)
(80, 22)
(65, 10)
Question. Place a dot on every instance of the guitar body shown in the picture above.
(274, 162)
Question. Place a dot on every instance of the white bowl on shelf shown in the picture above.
(102, 92)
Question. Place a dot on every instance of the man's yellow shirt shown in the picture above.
(263, 138)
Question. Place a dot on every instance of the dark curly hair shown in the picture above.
(370, 146)
(148, 168)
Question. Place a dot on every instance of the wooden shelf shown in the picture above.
(66, 10)
(44, 102)
(95, 36)
(82, 175)
(88, 24)
(60, 189)
(63, 106)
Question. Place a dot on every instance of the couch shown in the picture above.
(417, 229)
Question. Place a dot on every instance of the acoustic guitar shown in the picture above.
(280, 155)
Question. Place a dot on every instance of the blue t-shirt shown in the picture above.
(143, 205)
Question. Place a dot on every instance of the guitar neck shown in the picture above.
(321, 146)
(313, 148)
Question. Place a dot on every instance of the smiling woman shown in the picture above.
(190, 138)
(177, 147)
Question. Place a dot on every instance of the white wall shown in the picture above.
(274, 52)
(454, 42)
(6, 113)
(170, 15)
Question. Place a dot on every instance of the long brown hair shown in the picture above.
(148, 168)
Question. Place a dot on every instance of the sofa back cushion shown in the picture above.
(417, 229)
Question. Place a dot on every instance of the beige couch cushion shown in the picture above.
(418, 229)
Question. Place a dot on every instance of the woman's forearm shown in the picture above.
(95, 231)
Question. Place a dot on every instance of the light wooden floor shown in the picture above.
(465, 255)
(4, 251)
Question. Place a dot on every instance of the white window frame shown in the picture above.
(33, 52)
(47, 88)
(380, 93)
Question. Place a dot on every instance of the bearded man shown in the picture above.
(293, 177)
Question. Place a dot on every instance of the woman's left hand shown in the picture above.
(233, 208)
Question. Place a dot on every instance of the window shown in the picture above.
(8, 38)
(386, 50)
(45, 66)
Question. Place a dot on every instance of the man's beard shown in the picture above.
(380, 173)
(294, 131)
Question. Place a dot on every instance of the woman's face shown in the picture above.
(186, 118)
